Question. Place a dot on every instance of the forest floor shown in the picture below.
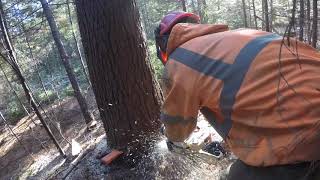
(37, 158)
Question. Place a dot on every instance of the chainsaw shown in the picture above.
(199, 143)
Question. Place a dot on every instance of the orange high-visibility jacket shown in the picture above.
(264, 103)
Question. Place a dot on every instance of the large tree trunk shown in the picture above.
(127, 95)
(66, 62)
(244, 14)
(254, 14)
(266, 15)
(315, 24)
(301, 20)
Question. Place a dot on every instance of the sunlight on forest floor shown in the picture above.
(46, 163)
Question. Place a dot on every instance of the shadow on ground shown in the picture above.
(35, 152)
(159, 163)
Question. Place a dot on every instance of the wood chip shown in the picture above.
(106, 160)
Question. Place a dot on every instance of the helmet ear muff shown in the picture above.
(157, 38)
(158, 52)
(161, 45)
(162, 32)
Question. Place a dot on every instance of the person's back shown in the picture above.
(264, 109)
(260, 93)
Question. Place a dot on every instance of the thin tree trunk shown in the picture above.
(263, 25)
(127, 94)
(143, 14)
(33, 59)
(202, 8)
(13, 90)
(77, 44)
(204, 2)
(250, 14)
(147, 13)
(55, 83)
(254, 14)
(301, 20)
(11, 59)
(184, 7)
(66, 62)
(16, 136)
(308, 22)
(194, 9)
(200, 12)
(244, 14)
(274, 30)
(17, 96)
(315, 24)
(204, 11)
(4, 21)
(54, 89)
(271, 16)
(266, 15)
(292, 20)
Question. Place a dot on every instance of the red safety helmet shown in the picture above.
(163, 30)
(173, 18)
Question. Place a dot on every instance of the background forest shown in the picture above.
(38, 56)
(44, 74)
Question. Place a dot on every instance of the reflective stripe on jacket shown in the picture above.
(266, 105)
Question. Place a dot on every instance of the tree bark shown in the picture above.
(301, 20)
(127, 94)
(66, 62)
(244, 14)
(308, 22)
(266, 15)
(315, 24)
(254, 14)
(184, 7)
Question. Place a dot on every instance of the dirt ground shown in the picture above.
(37, 158)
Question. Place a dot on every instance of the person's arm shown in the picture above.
(180, 108)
